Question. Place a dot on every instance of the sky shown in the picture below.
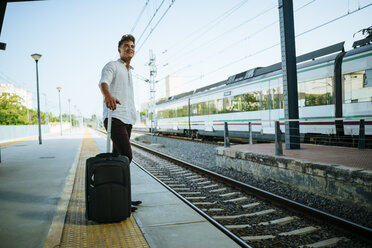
(201, 41)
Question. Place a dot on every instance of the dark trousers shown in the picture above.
(120, 135)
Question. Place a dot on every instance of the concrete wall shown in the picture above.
(331, 181)
(11, 132)
(14, 132)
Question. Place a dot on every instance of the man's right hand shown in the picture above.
(111, 102)
(109, 99)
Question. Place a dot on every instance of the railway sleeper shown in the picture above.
(230, 217)
(280, 222)
(326, 243)
(301, 231)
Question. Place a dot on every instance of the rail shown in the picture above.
(360, 231)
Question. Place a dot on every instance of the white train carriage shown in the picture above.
(256, 96)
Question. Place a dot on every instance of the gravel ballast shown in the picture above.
(204, 155)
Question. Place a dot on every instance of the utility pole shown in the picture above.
(60, 114)
(69, 113)
(152, 82)
(46, 110)
(289, 70)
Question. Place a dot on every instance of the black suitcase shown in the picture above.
(107, 186)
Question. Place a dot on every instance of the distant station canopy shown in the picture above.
(3, 4)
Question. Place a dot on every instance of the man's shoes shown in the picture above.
(136, 203)
(132, 208)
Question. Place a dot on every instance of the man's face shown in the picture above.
(126, 50)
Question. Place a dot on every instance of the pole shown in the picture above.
(289, 70)
(250, 133)
(278, 139)
(226, 141)
(153, 72)
(69, 113)
(46, 109)
(60, 114)
(362, 136)
(38, 100)
(2, 14)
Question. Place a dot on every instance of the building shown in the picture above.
(173, 85)
(23, 93)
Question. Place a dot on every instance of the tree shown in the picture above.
(12, 112)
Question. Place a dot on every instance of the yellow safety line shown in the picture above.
(78, 232)
(22, 140)
(17, 141)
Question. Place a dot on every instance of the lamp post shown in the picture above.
(69, 113)
(46, 110)
(60, 115)
(36, 57)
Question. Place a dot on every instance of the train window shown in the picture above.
(277, 98)
(357, 87)
(267, 99)
(301, 95)
(227, 104)
(162, 114)
(185, 110)
(212, 107)
(261, 99)
(182, 111)
(246, 102)
(202, 108)
(368, 80)
(237, 104)
(194, 110)
(219, 106)
(172, 113)
(315, 92)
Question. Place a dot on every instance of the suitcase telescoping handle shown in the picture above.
(109, 121)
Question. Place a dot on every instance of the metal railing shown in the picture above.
(361, 140)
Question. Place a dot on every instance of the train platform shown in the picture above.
(42, 202)
(340, 173)
(333, 155)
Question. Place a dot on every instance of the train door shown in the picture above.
(270, 105)
(209, 119)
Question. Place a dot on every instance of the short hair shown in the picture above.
(126, 37)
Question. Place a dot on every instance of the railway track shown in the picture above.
(211, 140)
(251, 216)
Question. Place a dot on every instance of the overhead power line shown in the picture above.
(139, 16)
(277, 44)
(238, 26)
(337, 18)
(208, 27)
(152, 18)
(247, 37)
(152, 30)
(192, 50)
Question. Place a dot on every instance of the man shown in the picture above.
(116, 85)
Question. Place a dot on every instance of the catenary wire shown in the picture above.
(152, 18)
(247, 37)
(267, 48)
(139, 16)
(208, 27)
(152, 30)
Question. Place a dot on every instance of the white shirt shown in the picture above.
(120, 83)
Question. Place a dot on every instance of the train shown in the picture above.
(334, 92)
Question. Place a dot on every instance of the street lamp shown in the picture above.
(60, 115)
(69, 113)
(36, 57)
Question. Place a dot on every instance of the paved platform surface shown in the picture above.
(345, 156)
(33, 183)
(32, 177)
(165, 220)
